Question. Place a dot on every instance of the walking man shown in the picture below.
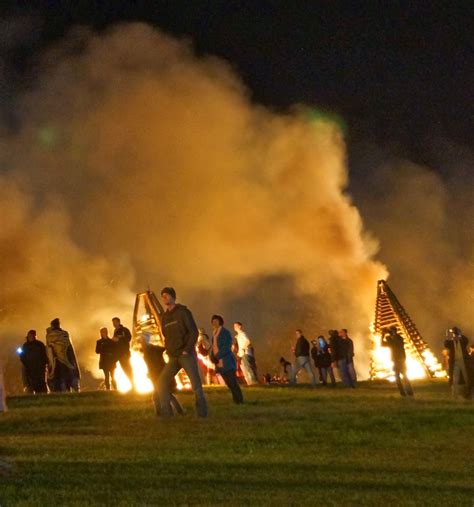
(302, 360)
(122, 338)
(180, 333)
(394, 342)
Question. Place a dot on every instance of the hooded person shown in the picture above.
(458, 360)
(34, 359)
(63, 368)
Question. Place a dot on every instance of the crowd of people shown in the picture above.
(54, 367)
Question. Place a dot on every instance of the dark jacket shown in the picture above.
(180, 331)
(302, 347)
(396, 346)
(449, 345)
(224, 352)
(321, 357)
(123, 344)
(336, 346)
(107, 349)
(34, 357)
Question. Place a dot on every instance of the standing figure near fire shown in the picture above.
(322, 360)
(246, 355)
(223, 357)
(107, 350)
(394, 342)
(349, 346)
(341, 357)
(35, 360)
(302, 360)
(122, 338)
(63, 368)
(153, 357)
(180, 333)
(457, 346)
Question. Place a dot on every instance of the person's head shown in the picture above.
(55, 324)
(455, 332)
(217, 321)
(314, 343)
(201, 330)
(298, 333)
(238, 326)
(31, 335)
(168, 296)
(333, 333)
(342, 333)
(116, 322)
(322, 342)
(104, 333)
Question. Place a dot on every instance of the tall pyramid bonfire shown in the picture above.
(421, 363)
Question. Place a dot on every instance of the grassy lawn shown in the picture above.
(283, 447)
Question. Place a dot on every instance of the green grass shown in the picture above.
(283, 447)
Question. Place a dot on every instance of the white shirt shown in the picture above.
(243, 343)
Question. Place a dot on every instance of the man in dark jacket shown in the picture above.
(394, 342)
(180, 333)
(107, 350)
(122, 338)
(302, 360)
(348, 346)
(341, 356)
(457, 346)
(34, 359)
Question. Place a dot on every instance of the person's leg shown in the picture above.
(342, 367)
(245, 366)
(456, 381)
(189, 363)
(295, 368)
(323, 376)
(126, 366)
(307, 367)
(163, 394)
(106, 378)
(352, 373)
(398, 380)
(331, 376)
(231, 382)
(253, 368)
(176, 405)
(406, 381)
(112, 375)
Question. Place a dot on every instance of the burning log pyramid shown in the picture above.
(421, 362)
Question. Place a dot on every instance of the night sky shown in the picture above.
(399, 73)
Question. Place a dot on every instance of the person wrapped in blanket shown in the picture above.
(63, 369)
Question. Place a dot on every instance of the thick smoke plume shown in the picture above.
(137, 164)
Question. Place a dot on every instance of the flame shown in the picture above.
(141, 382)
(382, 364)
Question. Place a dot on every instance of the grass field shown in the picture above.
(283, 447)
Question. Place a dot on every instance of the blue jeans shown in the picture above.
(302, 362)
(190, 365)
(344, 366)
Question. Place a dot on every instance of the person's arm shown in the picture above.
(224, 345)
(192, 332)
(97, 347)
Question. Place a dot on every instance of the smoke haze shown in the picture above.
(137, 164)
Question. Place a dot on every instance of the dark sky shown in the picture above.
(400, 73)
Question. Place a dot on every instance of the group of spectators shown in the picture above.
(336, 352)
(54, 366)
